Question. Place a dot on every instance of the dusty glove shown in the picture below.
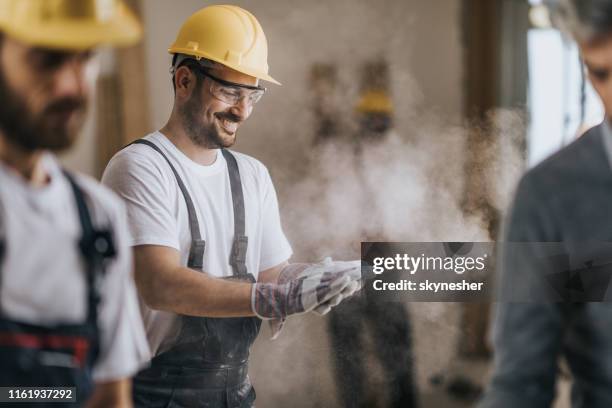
(348, 291)
(351, 269)
(290, 272)
(276, 325)
(300, 270)
(299, 295)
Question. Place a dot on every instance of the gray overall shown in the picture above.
(208, 364)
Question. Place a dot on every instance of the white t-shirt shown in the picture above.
(157, 214)
(43, 275)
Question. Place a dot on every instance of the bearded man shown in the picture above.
(210, 253)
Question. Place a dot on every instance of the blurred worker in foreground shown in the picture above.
(68, 305)
(210, 253)
(564, 199)
(388, 321)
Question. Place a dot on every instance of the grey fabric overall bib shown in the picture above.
(208, 364)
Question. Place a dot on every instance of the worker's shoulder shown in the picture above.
(136, 151)
(136, 157)
(577, 164)
(250, 164)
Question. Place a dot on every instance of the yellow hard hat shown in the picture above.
(228, 35)
(69, 24)
(375, 101)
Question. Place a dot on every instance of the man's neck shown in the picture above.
(27, 164)
(176, 133)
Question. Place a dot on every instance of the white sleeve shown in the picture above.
(275, 247)
(143, 186)
(123, 343)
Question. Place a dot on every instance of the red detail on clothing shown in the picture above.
(79, 345)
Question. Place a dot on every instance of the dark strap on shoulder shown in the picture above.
(196, 252)
(239, 248)
(96, 246)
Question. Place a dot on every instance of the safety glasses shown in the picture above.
(231, 92)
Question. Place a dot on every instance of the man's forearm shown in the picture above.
(165, 285)
(185, 291)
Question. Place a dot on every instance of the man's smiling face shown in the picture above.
(209, 121)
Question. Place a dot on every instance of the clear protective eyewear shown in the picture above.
(232, 92)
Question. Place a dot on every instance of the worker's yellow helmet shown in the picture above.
(69, 24)
(228, 35)
(375, 101)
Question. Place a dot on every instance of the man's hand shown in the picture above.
(347, 292)
(354, 271)
(316, 286)
(351, 268)
(300, 295)
(294, 271)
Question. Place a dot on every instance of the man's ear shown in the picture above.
(184, 81)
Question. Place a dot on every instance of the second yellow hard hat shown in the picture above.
(375, 101)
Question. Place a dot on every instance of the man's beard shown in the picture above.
(200, 133)
(42, 131)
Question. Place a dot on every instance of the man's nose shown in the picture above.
(70, 80)
(242, 108)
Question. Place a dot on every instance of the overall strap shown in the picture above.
(239, 248)
(95, 246)
(196, 251)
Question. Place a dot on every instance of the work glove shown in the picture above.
(353, 270)
(295, 272)
(347, 292)
(350, 268)
(300, 295)
(289, 273)
(276, 325)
